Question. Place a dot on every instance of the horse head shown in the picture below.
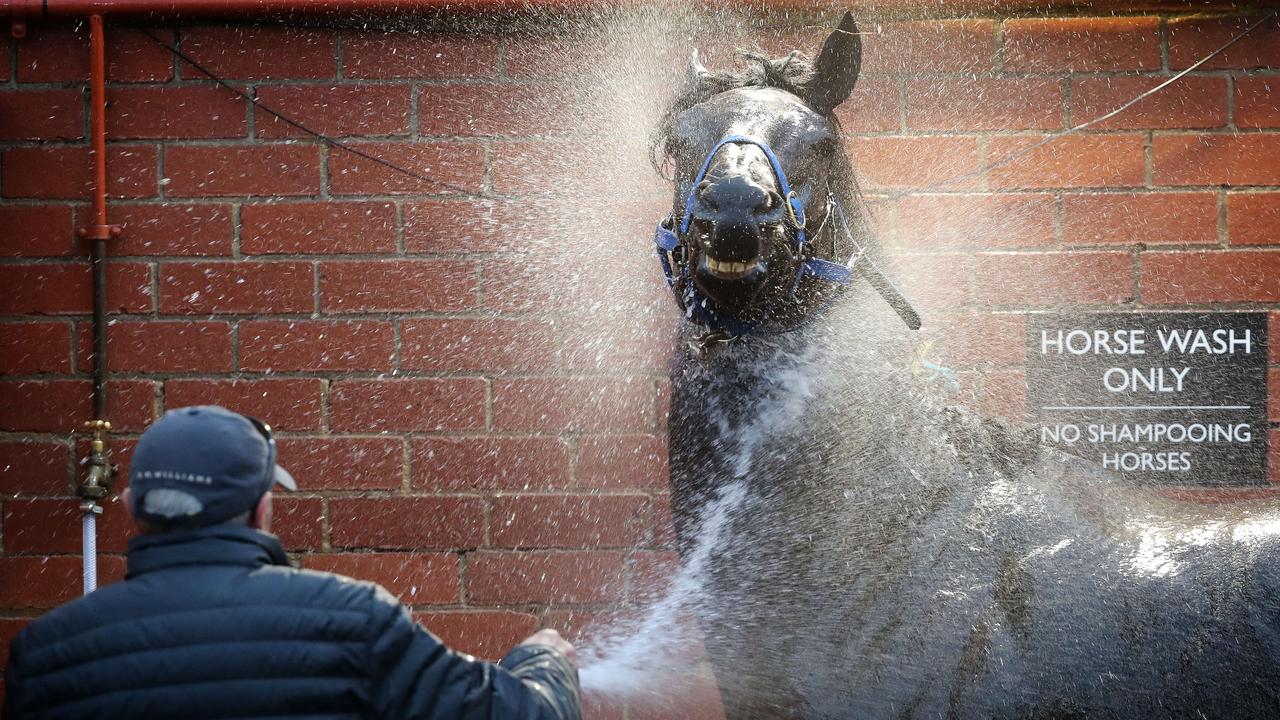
(759, 236)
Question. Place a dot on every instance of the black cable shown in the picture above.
(1070, 131)
(294, 123)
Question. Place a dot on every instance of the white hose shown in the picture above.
(89, 541)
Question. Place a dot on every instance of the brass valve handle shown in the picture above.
(97, 483)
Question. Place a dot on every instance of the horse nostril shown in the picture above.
(771, 201)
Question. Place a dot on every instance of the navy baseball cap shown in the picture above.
(203, 465)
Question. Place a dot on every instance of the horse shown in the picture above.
(867, 548)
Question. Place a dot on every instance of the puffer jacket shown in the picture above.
(213, 623)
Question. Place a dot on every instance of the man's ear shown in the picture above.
(262, 513)
(837, 67)
(126, 499)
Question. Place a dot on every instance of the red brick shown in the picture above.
(1210, 277)
(1013, 220)
(1254, 218)
(172, 229)
(9, 629)
(36, 581)
(151, 346)
(1256, 105)
(66, 288)
(488, 345)
(664, 531)
(53, 525)
(34, 348)
(284, 403)
(935, 280)
(64, 405)
(617, 343)
(1273, 457)
(60, 172)
(1084, 44)
(574, 404)
(260, 52)
(582, 283)
(969, 340)
(343, 463)
(237, 287)
(554, 55)
(1149, 218)
(172, 112)
(651, 574)
(415, 578)
(874, 106)
(397, 286)
(962, 46)
(418, 55)
(1273, 349)
(485, 634)
(475, 226)
(42, 115)
(298, 521)
(458, 109)
(469, 226)
(334, 110)
(438, 169)
(1192, 102)
(447, 464)
(35, 230)
(904, 162)
(59, 53)
(622, 461)
(318, 228)
(1216, 159)
(242, 170)
(419, 404)
(569, 521)
(408, 523)
(1075, 161)
(27, 466)
(501, 578)
(1004, 395)
(314, 345)
(1273, 402)
(1054, 278)
(1191, 39)
(984, 104)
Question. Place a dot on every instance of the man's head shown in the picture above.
(200, 466)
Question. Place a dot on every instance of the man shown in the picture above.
(212, 622)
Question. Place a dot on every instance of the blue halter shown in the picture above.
(667, 240)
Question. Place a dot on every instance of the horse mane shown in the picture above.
(789, 74)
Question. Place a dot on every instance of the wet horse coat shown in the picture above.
(885, 555)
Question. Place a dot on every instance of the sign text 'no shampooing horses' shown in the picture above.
(1167, 398)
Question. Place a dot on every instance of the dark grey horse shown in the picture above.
(867, 550)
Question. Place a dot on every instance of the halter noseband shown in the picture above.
(668, 233)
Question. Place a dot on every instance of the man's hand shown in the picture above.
(549, 636)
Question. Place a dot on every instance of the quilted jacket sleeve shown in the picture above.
(416, 676)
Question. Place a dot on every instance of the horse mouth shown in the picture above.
(728, 269)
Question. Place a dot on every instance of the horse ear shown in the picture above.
(696, 70)
(836, 70)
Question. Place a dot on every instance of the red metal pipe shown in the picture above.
(99, 231)
(29, 9)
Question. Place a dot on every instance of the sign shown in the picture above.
(1161, 398)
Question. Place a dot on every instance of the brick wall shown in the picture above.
(467, 373)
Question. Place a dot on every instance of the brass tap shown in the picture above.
(97, 483)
